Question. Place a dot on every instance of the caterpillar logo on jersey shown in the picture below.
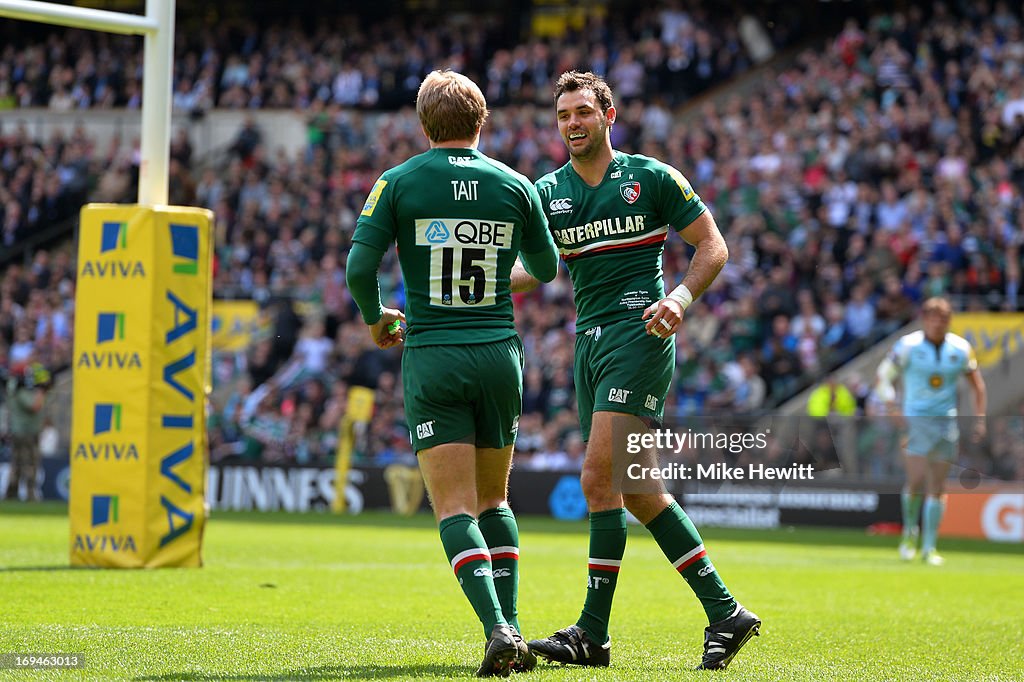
(707, 570)
(425, 430)
(618, 395)
(461, 161)
(630, 191)
(560, 206)
(651, 403)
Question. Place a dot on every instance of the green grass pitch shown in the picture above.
(315, 597)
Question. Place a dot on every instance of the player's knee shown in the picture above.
(596, 487)
(645, 507)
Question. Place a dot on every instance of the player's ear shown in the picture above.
(610, 115)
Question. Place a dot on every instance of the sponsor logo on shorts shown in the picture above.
(425, 430)
(651, 403)
(618, 395)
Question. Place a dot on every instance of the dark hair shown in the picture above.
(571, 81)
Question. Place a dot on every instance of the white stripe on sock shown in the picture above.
(469, 552)
(689, 555)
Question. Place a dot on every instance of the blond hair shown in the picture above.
(450, 106)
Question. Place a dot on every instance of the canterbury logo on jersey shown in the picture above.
(560, 206)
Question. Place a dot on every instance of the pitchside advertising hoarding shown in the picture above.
(141, 360)
(992, 512)
(234, 325)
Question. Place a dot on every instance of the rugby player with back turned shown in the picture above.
(459, 220)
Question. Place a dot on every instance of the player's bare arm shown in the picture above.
(977, 383)
(521, 280)
(708, 260)
(530, 269)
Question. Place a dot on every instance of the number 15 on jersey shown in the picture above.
(463, 258)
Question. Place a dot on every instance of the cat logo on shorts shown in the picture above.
(425, 430)
(630, 191)
(935, 381)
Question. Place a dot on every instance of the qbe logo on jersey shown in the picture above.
(463, 258)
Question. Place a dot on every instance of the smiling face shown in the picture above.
(582, 124)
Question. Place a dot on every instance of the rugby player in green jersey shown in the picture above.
(610, 214)
(459, 219)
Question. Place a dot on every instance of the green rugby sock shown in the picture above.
(933, 510)
(911, 505)
(501, 534)
(607, 545)
(682, 545)
(467, 553)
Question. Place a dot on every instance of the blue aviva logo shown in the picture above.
(115, 236)
(185, 249)
(104, 510)
(109, 327)
(106, 418)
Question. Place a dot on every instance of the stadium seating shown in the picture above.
(851, 183)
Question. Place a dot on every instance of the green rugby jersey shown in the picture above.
(459, 219)
(612, 236)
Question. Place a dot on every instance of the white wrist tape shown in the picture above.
(681, 295)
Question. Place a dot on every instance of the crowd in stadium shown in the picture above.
(855, 182)
(363, 62)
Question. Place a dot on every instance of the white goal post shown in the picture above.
(158, 28)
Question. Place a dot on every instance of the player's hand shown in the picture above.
(387, 331)
(666, 316)
(980, 429)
